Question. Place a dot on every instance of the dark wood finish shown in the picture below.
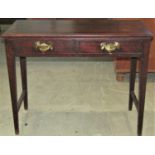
(135, 100)
(12, 81)
(122, 66)
(80, 37)
(74, 47)
(142, 85)
(77, 28)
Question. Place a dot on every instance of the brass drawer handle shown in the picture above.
(43, 47)
(110, 47)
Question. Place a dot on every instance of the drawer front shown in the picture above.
(44, 47)
(74, 47)
(103, 47)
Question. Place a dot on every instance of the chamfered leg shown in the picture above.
(132, 80)
(24, 80)
(142, 87)
(13, 87)
(142, 90)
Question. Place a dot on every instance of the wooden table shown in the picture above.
(84, 38)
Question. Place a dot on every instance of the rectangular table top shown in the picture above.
(77, 28)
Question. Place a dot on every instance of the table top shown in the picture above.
(77, 28)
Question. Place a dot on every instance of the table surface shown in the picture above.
(80, 27)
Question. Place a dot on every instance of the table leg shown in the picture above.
(142, 87)
(132, 80)
(142, 90)
(24, 80)
(11, 64)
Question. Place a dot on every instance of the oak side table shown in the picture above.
(81, 38)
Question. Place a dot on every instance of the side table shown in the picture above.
(84, 38)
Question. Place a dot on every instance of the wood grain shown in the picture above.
(123, 65)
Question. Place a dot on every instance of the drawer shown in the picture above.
(44, 47)
(72, 47)
(101, 46)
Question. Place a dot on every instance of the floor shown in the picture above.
(73, 97)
